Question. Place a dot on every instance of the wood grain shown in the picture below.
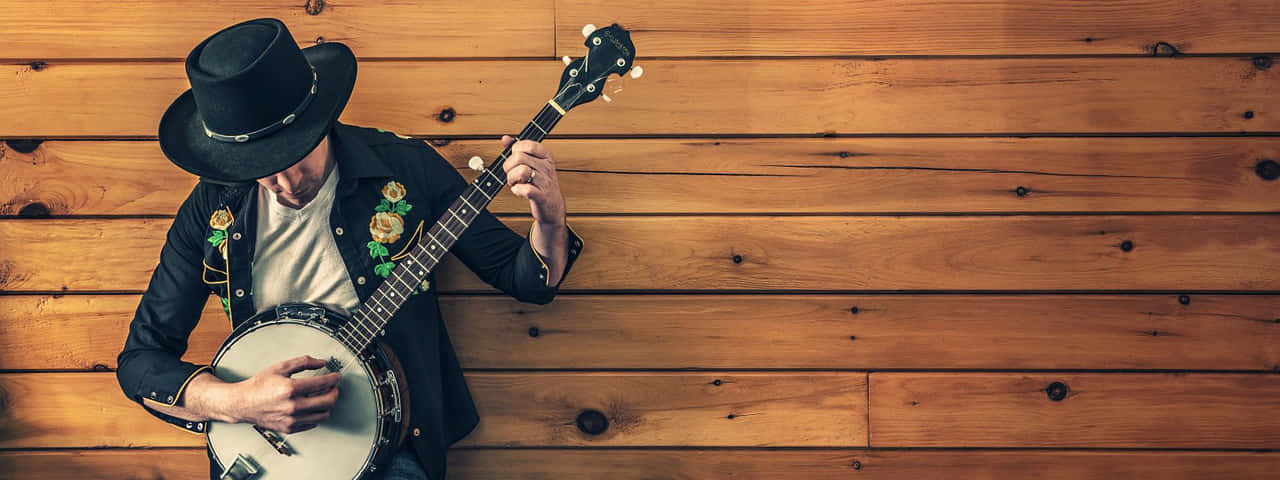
(922, 27)
(526, 408)
(827, 175)
(1209, 332)
(79, 29)
(1106, 410)
(1165, 252)
(705, 97)
(734, 464)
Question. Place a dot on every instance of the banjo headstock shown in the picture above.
(609, 51)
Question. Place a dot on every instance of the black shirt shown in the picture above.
(192, 265)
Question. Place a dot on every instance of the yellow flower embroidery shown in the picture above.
(386, 227)
(393, 191)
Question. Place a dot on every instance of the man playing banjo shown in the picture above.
(294, 206)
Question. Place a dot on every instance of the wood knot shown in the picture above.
(37, 65)
(1126, 245)
(24, 145)
(1262, 62)
(534, 332)
(1164, 49)
(592, 422)
(34, 210)
(737, 259)
(1056, 391)
(1248, 114)
(716, 382)
(1268, 169)
(319, 39)
(853, 309)
(314, 7)
(446, 115)
(856, 465)
(1021, 191)
(101, 368)
(439, 142)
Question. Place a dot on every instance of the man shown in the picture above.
(280, 215)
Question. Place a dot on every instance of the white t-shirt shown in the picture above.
(295, 258)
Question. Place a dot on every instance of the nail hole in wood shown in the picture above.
(1183, 299)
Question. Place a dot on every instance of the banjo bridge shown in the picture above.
(277, 442)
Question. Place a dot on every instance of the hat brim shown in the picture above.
(184, 142)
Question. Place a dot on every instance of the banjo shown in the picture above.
(370, 416)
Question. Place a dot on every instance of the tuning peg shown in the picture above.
(606, 97)
(636, 71)
(476, 163)
(587, 29)
(567, 60)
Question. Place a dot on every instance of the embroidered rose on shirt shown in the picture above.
(387, 225)
(219, 221)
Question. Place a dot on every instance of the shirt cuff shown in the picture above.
(169, 397)
(574, 245)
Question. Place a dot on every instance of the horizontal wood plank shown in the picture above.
(573, 464)
(1094, 410)
(1102, 252)
(527, 409)
(372, 28)
(1209, 332)
(924, 27)
(828, 175)
(701, 97)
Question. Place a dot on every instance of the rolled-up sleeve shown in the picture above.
(497, 254)
(150, 368)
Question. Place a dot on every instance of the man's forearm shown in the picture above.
(550, 241)
(205, 398)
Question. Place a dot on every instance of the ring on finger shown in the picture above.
(532, 173)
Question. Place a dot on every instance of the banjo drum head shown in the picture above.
(338, 448)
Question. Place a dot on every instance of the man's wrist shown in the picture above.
(211, 397)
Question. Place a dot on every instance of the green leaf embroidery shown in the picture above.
(226, 306)
(402, 207)
(377, 249)
(383, 206)
(217, 237)
(384, 269)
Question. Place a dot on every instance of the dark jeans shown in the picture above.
(404, 466)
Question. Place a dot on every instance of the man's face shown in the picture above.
(298, 184)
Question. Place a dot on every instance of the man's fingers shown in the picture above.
(312, 385)
(506, 140)
(318, 403)
(298, 364)
(534, 149)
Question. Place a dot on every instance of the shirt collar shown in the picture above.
(355, 159)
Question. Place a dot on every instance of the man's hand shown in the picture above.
(549, 234)
(270, 399)
(545, 199)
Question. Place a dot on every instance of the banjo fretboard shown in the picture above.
(369, 320)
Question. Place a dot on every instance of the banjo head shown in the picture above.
(342, 447)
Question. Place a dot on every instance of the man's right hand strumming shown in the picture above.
(270, 399)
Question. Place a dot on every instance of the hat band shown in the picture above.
(276, 125)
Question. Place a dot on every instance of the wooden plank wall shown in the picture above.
(827, 239)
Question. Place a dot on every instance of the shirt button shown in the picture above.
(416, 432)
(239, 292)
(360, 280)
(170, 400)
(577, 243)
(338, 230)
(235, 236)
(153, 394)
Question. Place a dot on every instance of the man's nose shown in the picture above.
(284, 182)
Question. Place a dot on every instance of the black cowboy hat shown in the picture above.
(257, 103)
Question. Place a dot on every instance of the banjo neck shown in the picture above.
(369, 320)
